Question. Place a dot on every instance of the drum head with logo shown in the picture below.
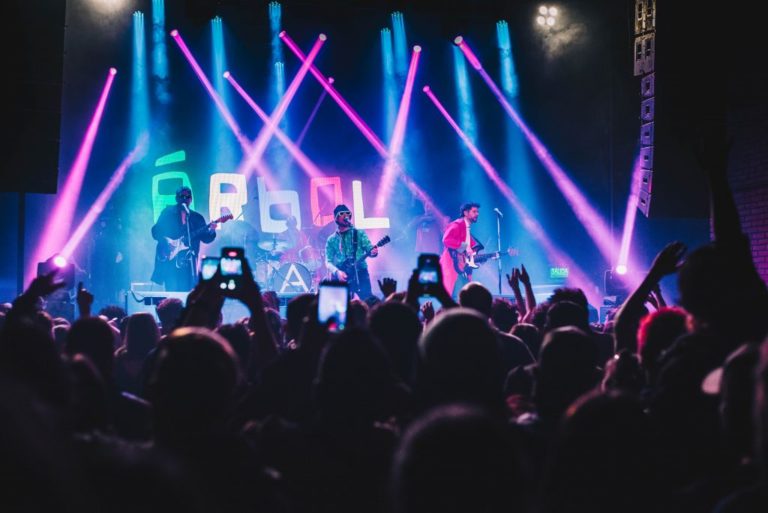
(291, 278)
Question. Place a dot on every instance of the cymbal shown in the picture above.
(273, 245)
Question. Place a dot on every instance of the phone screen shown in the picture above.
(428, 272)
(333, 300)
(231, 266)
(208, 268)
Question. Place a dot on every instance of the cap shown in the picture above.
(340, 209)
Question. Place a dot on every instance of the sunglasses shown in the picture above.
(344, 214)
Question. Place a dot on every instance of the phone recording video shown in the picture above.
(428, 268)
(231, 265)
(208, 268)
(333, 302)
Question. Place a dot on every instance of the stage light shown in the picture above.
(630, 216)
(253, 156)
(550, 21)
(225, 74)
(113, 71)
(398, 136)
(390, 84)
(159, 56)
(139, 116)
(221, 153)
(400, 44)
(60, 220)
(580, 279)
(458, 40)
(541, 20)
(621, 269)
(331, 80)
(174, 33)
(553, 11)
(59, 261)
(361, 125)
(590, 219)
(543, 9)
(508, 76)
(425, 88)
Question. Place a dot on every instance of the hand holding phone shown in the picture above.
(428, 269)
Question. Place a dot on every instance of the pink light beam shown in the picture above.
(245, 143)
(101, 201)
(60, 221)
(361, 125)
(591, 220)
(629, 221)
(580, 279)
(266, 133)
(398, 136)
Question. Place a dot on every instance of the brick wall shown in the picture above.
(748, 165)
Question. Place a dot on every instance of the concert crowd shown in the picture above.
(458, 404)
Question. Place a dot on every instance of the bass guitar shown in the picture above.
(464, 263)
(176, 250)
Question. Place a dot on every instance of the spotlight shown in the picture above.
(322, 37)
(425, 89)
(65, 271)
(113, 71)
(458, 40)
(621, 269)
(417, 48)
(541, 20)
(174, 33)
(553, 11)
(226, 74)
(543, 9)
(550, 21)
(281, 34)
(59, 261)
(331, 80)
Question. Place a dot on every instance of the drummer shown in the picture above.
(294, 239)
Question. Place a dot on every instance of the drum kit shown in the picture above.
(289, 268)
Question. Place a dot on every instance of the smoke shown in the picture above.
(556, 42)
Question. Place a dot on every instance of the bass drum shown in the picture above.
(291, 278)
(311, 258)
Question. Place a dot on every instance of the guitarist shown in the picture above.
(349, 243)
(175, 221)
(459, 247)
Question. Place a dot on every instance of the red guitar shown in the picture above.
(464, 263)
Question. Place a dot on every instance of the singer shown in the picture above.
(349, 245)
(179, 232)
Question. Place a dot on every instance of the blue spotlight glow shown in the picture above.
(508, 75)
(275, 15)
(139, 121)
(159, 52)
(223, 147)
(280, 159)
(390, 84)
(401, 45)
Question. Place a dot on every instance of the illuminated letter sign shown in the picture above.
(269, 198)
(233, 201)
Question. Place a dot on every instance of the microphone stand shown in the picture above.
(191, 257)
(498, 240)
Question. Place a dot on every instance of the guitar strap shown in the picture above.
(354, 245)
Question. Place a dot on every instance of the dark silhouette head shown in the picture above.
(573, 295)
(271, 299)
(737, 394)
(657, 331)
(529, 334)
(397, 329)
(141, 335)
(355, 384)
(94, 338)
(357, 314)
(568, 368)
(457, 459)
(192, 388)
(503, 314)
(113, 312)
(623, 373)
(473, 295)
(169, 311)
(239, 340)
(567, 313)
(460, 361)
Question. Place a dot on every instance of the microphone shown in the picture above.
(498, 212)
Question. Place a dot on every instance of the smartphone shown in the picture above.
(208, 268)
(332, 305)
(231, 265)
(428, 268)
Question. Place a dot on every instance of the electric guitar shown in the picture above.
(350, 264)
(463, 263)
(176, 250)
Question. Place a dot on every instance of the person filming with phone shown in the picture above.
(345, 253)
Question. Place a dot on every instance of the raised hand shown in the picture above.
(428, 311)
(524, 278)
(84, 301)
(514, 279)
(44, 285)
(387, 286)
(668, 260)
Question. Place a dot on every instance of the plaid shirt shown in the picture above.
(338, 248)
